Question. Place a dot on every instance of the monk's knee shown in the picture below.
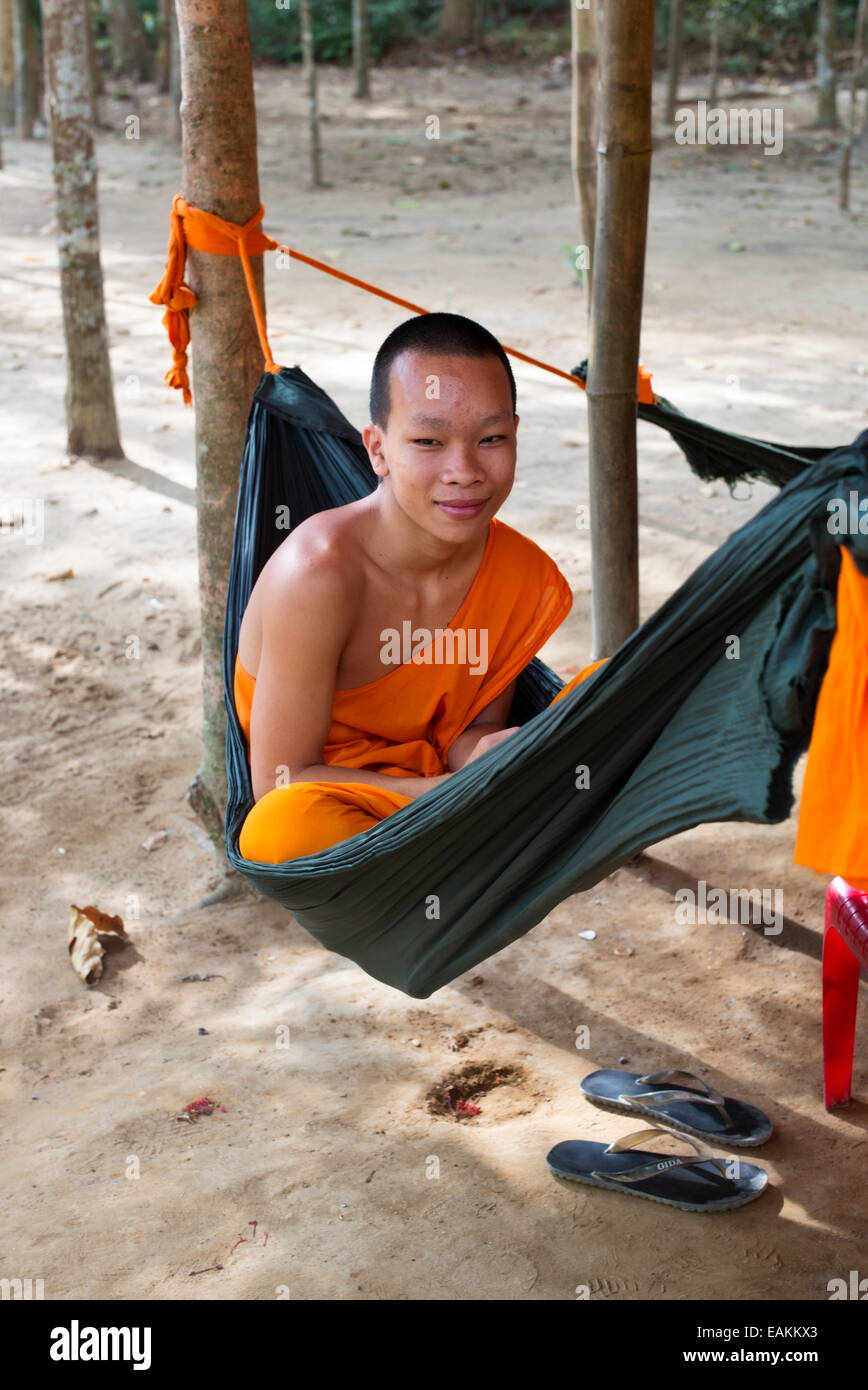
(306, 817)
(282, 825)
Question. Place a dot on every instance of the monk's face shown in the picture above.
(447, 452)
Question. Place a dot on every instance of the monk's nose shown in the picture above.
(463, 466)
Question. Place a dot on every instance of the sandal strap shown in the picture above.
(663, 1161)
(661, 1098)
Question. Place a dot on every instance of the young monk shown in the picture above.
(381, 645)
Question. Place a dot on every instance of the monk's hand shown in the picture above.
(489, 741)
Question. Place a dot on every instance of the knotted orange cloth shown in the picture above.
(404, 723)
(833, 817)
(204, 231)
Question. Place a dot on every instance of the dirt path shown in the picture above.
(326, 1139)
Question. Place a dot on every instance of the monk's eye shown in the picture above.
(493, 439)
(425, 441)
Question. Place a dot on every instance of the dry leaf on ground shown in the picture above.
(85, 948)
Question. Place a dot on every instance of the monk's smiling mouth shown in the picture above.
(469, 508)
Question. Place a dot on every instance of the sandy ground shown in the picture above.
(323, 1136)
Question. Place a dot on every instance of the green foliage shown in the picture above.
(753, 32)
(150, 13)
(275, 33)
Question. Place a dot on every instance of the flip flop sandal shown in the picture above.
(699, 1182)
(705, 1113)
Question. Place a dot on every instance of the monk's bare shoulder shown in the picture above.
(312, 576)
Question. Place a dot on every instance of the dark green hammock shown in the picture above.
(673, 732)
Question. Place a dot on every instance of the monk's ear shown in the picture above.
(372, 437)
(515, 422)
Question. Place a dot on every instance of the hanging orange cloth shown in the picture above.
(204, 231)
(404, 723)
(833, 817)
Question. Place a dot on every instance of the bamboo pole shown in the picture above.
(623, 178)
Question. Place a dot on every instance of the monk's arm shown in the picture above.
(307, 612)
(331, 772)
(490, 723)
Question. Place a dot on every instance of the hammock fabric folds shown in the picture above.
(679, 727)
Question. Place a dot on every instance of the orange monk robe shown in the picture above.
(404, 723)
(833, 817)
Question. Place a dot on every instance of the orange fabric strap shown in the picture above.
(204, 231)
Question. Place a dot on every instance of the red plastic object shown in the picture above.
(845, 948)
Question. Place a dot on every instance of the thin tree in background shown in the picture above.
(164, 45)
(714, 55)
(361, 76)
(457, 23)
(132, 55)
(624, 174)
(91, 420)
(165, 65)
(583, 128)
(673, 62)
(93, 63)
(827, 108)
(309, 62)
(7, 65)
(174, 74)
(220, 174)
(26, 69)
(850, 133)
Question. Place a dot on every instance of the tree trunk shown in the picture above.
(131, 51)
(624, 173)
(714, 57)
(309, 62)
(673, 65)
(362, 87)
(583, 131)
(26, 96)
(91, 421)
(7, 65)
(174, 75)
(220, 175)
(827, 111)
(850, 134)
(457, 23)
